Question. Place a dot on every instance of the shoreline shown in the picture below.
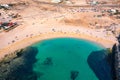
(37, 38)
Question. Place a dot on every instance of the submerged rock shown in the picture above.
(48, 61)
(19, 65)
(97, 61)
(74, 75)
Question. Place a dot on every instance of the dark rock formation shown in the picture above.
(97, 61)
(18, 66)
(48, 61)
(115, 60)
(74, 75)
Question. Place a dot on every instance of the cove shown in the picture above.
(57, 58)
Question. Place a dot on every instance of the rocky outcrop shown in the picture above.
(115, 57)
(97, 61)
(18, 65)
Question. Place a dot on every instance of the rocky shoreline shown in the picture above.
(18, 65)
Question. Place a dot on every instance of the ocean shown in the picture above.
(71, 59)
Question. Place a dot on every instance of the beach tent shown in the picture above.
(56, 1)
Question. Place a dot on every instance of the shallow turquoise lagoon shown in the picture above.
(57, 58)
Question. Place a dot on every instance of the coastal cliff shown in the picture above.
(115, 60)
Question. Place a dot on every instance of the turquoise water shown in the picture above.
(56, 58)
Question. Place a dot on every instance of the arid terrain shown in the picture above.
(43, 19)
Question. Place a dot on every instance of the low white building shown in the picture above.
(56, 1)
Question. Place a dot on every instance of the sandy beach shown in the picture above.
(42, 36)
(41, 22)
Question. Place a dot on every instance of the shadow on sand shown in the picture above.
(97, 61)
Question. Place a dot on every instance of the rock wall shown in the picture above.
(115, 60)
